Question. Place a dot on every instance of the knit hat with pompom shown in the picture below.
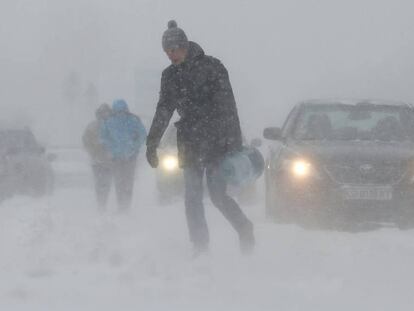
(174, 37)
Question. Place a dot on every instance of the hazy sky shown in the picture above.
(277, 53)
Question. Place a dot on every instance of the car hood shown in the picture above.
(353, 151)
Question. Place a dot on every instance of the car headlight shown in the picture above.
(169, 163)
(300, 168)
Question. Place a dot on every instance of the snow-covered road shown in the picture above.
(58, 253)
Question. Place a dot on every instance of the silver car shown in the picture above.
(338, 162)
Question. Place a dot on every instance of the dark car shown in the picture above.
(25, 167)
(338, 162)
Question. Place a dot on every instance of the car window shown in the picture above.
(354, 122)
(289, 123)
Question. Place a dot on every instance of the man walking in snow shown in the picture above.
(122, 135)
(198, 87)
(100, 159)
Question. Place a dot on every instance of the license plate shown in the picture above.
(368, 193)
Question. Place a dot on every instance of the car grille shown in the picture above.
(364, 173)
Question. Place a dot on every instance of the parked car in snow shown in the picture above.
(338, 162)
(25, 166)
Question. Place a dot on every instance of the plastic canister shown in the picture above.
(243, 167)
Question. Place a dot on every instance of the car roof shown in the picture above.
(353, 102)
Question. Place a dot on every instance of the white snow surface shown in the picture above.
(59, 253)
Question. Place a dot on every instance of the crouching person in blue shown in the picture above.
(122, 135)
(197, 86)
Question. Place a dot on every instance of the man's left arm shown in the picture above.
(227, 111)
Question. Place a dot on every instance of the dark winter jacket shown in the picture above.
(200, 90)
(92, 143)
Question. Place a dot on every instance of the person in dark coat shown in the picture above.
(100, 159)
(197, 86)
(122, 135)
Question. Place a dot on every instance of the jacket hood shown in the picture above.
(103, 111)
(194, 51)
(119, 105)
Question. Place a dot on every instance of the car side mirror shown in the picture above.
(272, 133)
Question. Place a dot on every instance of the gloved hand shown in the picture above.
(152, 157)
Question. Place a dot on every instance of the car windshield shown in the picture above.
(16, 141)
(355, 122)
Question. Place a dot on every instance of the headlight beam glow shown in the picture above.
(301, 168)
(169, 163)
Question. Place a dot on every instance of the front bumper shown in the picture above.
(330, 200)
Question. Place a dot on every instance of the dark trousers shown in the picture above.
(102, 173)
(124, 177)
(196, 221)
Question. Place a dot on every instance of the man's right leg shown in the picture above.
(194, 208)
